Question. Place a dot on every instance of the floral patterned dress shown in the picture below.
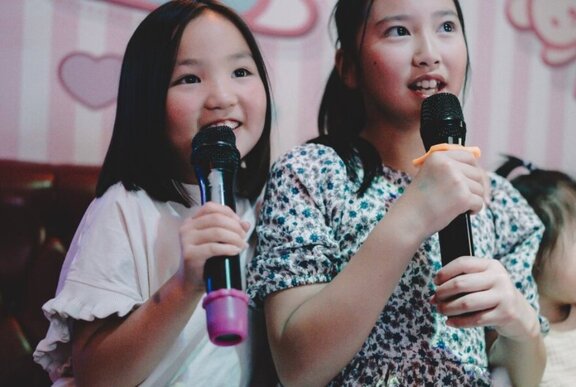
(312, 222)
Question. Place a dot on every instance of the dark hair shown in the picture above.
(552, 195)
(140, 155)
(342, 117)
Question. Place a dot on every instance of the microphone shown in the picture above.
(215, 159)
(442, 122)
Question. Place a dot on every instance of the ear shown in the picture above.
(346, 69)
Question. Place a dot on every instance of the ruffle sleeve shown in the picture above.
(76, 301)
(103, 275)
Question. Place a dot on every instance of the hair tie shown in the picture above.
(529, 166)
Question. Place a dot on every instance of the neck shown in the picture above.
(554, 311)
(397, 147)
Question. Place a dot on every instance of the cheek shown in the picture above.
(560, 278)
(179, 127)
(175, 111)
(385, 70)
(261, 106)
(459, 66)
(256, 100)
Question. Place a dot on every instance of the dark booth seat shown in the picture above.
(40, 208)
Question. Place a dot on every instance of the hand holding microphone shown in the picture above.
(216, 160)
(443, 127)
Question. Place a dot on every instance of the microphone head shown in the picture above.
(442, 121)
(215, 147)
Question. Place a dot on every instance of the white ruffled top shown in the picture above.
(126, 247)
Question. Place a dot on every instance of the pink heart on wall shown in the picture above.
(90, 80)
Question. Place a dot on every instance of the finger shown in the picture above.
(470, 193)
(459, 266)
(507, 321)
(487, 187)
(463, 284)
(468, 303)
(214, 235)
(199, 254)
(213, 220)
(215, 208)
(245, 225)
(461, 156)
(470, 320)
(465, 182)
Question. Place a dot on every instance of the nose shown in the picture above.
(426, 53)
(220, 96)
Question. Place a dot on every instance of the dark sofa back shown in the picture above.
(41, 206)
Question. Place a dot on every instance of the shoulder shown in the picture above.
(118, 195)
(123, 207)
(119, 198)
(508, 202)
(503, 194)
(309, 159)
(499, 183)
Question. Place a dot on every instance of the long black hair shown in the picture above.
(140, 155)
(552, 195)
(342, 116)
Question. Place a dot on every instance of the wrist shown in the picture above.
(187, 283)
(530, 323)
(409, 221)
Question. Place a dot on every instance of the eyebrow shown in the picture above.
(231, 58)
(404, 17)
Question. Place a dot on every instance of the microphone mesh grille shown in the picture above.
(441, 119)
(217, 146)
(441, 107)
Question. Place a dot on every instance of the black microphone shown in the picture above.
(216, 159)
(442, 122)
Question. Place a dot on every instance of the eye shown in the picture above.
(241, 73)
(397, 31)
(187, 79)
(448, 27)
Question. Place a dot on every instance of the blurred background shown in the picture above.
(61, 58)
(59, 68)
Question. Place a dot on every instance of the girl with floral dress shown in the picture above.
(348, 265)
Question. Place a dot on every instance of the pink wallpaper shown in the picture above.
(61, 58)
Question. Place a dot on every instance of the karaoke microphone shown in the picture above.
(215, 159)
(442, 122)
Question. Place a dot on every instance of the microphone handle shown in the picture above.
(220, 272)
(456, 239)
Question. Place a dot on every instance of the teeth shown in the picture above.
(427, 84)
(228, 123)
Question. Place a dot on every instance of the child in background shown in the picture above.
(128, 305)
(348, 265)
(552, 195)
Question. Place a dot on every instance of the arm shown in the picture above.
(315, 330)
(501, 292)
(525, 360)
(124, 351)
(487, 297)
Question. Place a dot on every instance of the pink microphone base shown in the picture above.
(226, 316)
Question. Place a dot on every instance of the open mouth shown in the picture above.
(229, 123)
(428, 86)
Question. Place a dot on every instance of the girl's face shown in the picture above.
(558, 275)
(215, 82)
(411, 50)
